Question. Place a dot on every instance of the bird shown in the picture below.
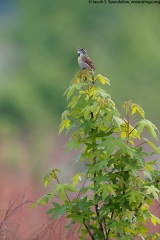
(84, 61)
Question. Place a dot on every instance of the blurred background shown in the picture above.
(38, 59)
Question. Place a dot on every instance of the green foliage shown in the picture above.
(113, 192)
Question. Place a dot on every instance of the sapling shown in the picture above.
(115, 182)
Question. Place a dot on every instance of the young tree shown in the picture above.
(113, 192)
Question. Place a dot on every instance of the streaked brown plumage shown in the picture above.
(83, 60)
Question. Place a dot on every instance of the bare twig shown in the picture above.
(11, 210)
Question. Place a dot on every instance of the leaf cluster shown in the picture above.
(113, 192)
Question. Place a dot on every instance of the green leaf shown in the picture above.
(87, 126)
(84, 189)
(107, 189)
(136, 108)
(100, 133)
(153, 236)
(72, 144)
(148, 173)
(44, 200)
(57, 210)
(70, 91)
(70, 187)
(131, 166)
(118, 225)
(52, 174)
(136, 196)
(120, 143)
(85, 74)
(76, 79)
(61, 190)
(109, 144)
(118, 122)
(73, 103)
(65, 115)
(127, 106)
(150, 127)
(152, 190)
(142, 230)
(102, 93)
(102, 79)
(128, 216)
(77, 178)
(65, 124)
(155, 220)
(100, 178)
(88, 109)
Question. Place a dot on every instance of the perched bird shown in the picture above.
(84, 61)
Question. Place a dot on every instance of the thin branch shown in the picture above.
(97, 213)
(78, 195)
(79, 137)
(140, 144)
(107, 237)
(88, 230)
(85, 91)
(124, 120)
(97, 114)
(56, 178)
(12, 209)
(92, 116)
(128, 120)
(105, 226)
(96, 205)
(124, 185)
(133, 129)
(140, 205)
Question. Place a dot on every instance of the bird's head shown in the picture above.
(81, 51)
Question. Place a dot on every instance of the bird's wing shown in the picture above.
(89, 62)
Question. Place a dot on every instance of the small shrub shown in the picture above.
(116, 183)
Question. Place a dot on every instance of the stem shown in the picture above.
(140, 144)
(133, 129)
(78, 195)
(96, 205)
(104, 223)
(97, 209)
(88, 230)
(124, 185)
(85, 91)
(92, 116)
(107, 237)
(95, 174)
(97, 114)
(128, 128)
(140, 205)
(60, 183)
(124, 120)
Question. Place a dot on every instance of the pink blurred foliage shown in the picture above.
(22, 223)
(19, 190)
